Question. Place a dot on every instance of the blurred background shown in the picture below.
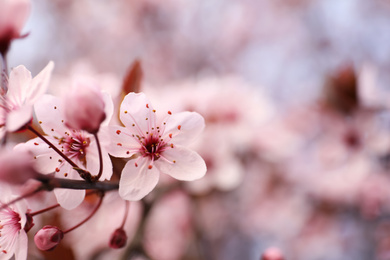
(295, 97)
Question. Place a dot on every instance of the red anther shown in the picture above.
(118, 131)
(169, 112)
(179, 127)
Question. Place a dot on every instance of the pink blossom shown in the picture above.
(13, 15)
(48, 238)
(13, 238)
(23, 91)
(272, 253)
(16, 166)
(157, 144)
(89, 112)
(79, 146)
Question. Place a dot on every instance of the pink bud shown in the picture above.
(17, 166)
(272, 253)
(48, 238)
(84, 107)
(13, 15)
(118, 239)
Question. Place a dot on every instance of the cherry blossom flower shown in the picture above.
(157, 144)
(13, 238)
(79, 146)
(16, 105)
(13, 15)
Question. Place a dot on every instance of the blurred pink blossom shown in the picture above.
(16, 166)
(13, 15)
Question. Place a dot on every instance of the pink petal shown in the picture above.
(188, 164)
(39, 84)
(137, 113)
(18, 85)
(46, 158)
(184, 127)
(122, 143)
(21, 246)
(49, 116)
(69, 199)
(18, 118)
(137, 182)
(93, 164)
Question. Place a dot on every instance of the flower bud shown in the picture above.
(13, 15)
(84, 107)
(272, 253)
(118, 239)
(17, 166)
(48, 238)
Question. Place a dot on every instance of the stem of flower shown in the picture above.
(96, 178)
(90, 215)
(126, 213)
(44, 210)
(29, 127)
(82, 185)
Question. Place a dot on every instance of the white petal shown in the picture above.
(188, 165)
(93, 163)
(39, 84)
(18, 85)
(184, 127)
(46, 158)
(69, 199)
(21, 246)
(122, 143)
(18, 118)
(137, 182)
(136, 109)
(50, 117)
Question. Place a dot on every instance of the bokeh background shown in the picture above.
(296, 101)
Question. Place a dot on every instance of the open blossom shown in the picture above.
(16, 106)
(13, 15)
(158, 145)
(79, 146)
(13, 238)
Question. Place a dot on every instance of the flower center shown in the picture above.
(152, 147)
(74, 145)
(9, 229)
